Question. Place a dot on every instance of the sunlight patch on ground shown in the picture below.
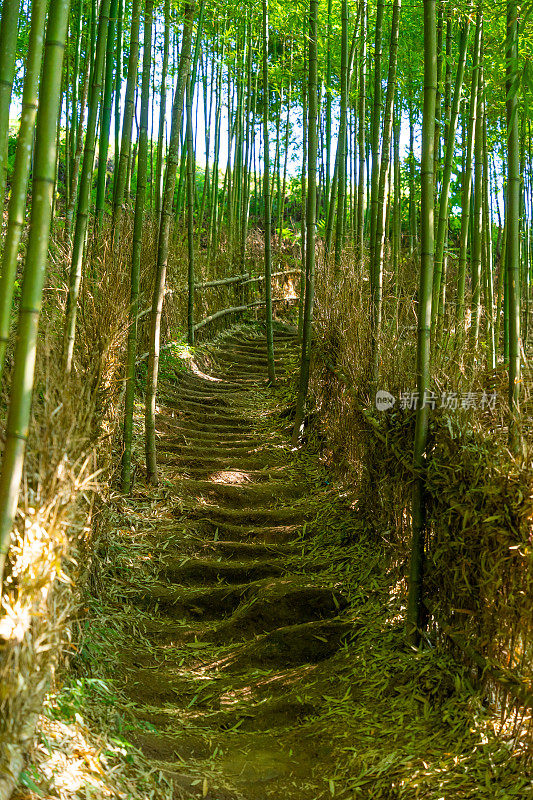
(75, 766)
(195, 369)
(236, 696)
(289, 291)
(70, 762)
(233, 476)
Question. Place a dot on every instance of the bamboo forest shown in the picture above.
(266, 399)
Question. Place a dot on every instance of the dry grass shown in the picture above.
(479, 556)
(72, 429)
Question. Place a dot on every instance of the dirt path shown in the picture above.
(238, 626)
(259, 658)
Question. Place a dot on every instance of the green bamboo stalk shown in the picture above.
(190, 214)
(44, 165)
(277, 148)
(353, 153)
(333, 196)
(447, 121)
(303, 188)
(362, 135)
(163, 242)
(208, 112)
(286, 146)
(513, 222)
(338, 188)
(311, 220)
(488, 260)
(162, 111)
(528, 234)
(467, 184)
(8, 48)
(75, 79)
(451, 130)
(477, 217)
(152, 104)
(378, 251)
(397, 220)
(328, 93)
(140, 203)
(118, 90)
(376, 116)
(239, 144)
(412, 188)
(58, 148)
(128, 188)
(438, 102)
(267, 209)
(227, 203)
(213, 204)
(415, 610)
(84, 189)
(68, 132)
(105, 123)
(93, 29)
(341, 189)
(19, 183)
(127, 123)
(505, 291)
(182, 185)
(500, 290)
(448, 73)
(75, 170)
(248, 144)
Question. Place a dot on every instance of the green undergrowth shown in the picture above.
(82, 749)
(172, 362)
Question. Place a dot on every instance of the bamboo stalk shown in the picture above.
(19, 183)
(305, 360)
(8, 47)
(513, 223)
(225, 281)
(84, 189)
(140, 202)
(415, 612)
(163, 242)
(267, 207)
(44, 166)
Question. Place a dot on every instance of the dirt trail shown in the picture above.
(257, 665)
(234, 624)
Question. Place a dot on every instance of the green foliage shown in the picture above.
(172, 362)
(27, 779)
(71, 702)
